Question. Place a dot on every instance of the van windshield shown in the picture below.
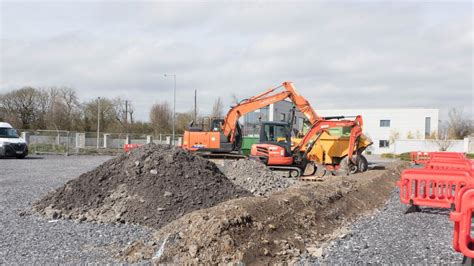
(6, 132)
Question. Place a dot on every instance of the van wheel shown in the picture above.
(21, 156)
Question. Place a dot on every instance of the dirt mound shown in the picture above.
(255, 177)
(152, 186)
(268, 230)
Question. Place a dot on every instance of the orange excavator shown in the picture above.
(225, 135)
(277, 152)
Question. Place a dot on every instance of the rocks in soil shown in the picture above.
(152, 186)
(276, 229)
(255, 177)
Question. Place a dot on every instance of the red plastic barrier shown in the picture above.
(463, 217)
(129, 147)
(447, 155)
(419, 157)
(456, 164)
(432, 188)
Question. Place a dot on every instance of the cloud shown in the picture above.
(340, 55)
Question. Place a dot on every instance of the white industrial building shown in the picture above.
(383, 126)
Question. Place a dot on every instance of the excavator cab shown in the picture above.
(277, 133)
(216, 124)
(274, 147)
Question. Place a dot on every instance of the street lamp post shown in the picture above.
(98, 121)
(174, 106)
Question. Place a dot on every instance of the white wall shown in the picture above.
(409, 145)
(402, 120)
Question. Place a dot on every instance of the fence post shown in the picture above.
(168, 140)
(149, 139)
(106, 140)
(67, 143)
(161, 139)
(127, 139)
(80, 141)
(180, 141)
(466, 145)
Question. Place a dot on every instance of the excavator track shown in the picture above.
(227, 156)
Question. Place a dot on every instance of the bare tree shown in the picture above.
(394, 136)
(441, 139)
(21, 107)
(183, 120)
(161, 117)
(217, 108)
(71, 105)
(459, 127)
(108, 115)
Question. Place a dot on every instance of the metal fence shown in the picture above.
(69, 142)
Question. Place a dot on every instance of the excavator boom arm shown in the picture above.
(301, 103)
(248, 106)
(262, 100)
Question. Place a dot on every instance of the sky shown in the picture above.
(339, 54)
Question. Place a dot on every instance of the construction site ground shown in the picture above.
(341, 219)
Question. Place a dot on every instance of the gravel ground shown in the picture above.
(28, 238)
(389, 236)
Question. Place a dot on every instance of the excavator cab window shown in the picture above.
(216, 124)
(277, 133)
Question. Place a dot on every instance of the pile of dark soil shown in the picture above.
(277, 229)
(255, 177)
(152, 186)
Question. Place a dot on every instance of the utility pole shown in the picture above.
(195, 106)
(126, 111)
(98, 121)
(174, 107)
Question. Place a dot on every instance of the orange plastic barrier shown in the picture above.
(419, 157)
(447, 155)
(456, 164)
(129, 147)
(463, 240)
(432, 188)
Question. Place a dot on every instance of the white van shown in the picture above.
(11, 145)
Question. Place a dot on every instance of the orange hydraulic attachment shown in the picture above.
(275, 155)
(211, 140)
(462, 217)
(322, 125)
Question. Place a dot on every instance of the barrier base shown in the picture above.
(467, 261)
(413, 208)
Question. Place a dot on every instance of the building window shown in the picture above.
(383, 143)
(384, 123)
(427, 126)
(282, 117)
